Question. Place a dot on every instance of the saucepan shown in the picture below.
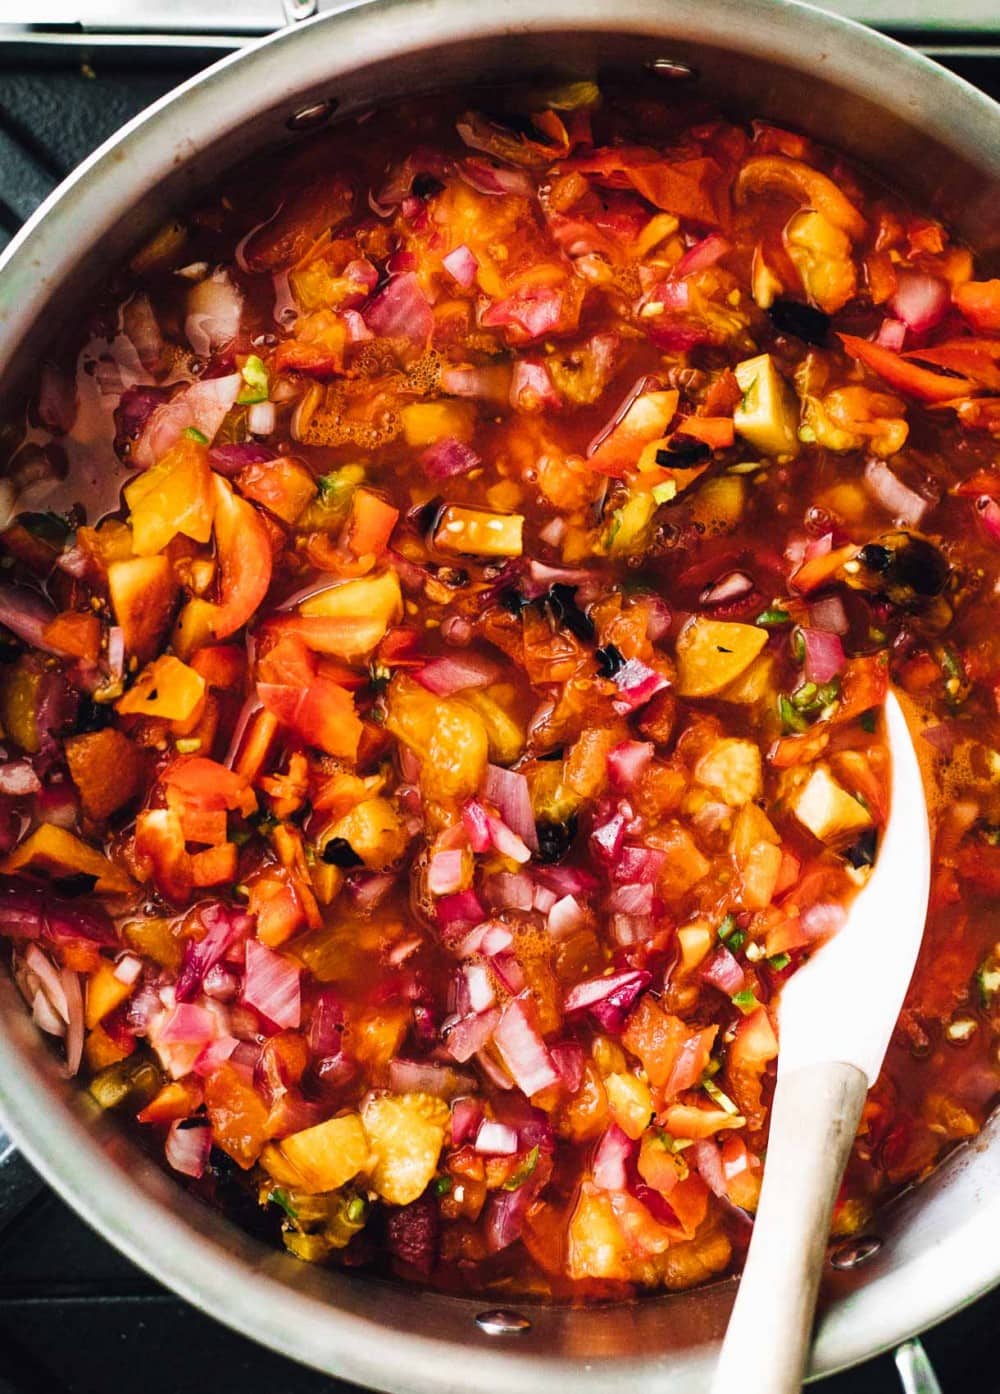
(926, 132)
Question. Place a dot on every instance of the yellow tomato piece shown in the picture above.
(61, 853)
(768, 414)
(174, 496)
(168, 688)
(711, 654)
(328, 1155)
(504, 732)
(105, 992)
(374, 832)
(630, 1102)
(474, 532)
(142, 591)
(366, 606)
(406, 1134)
(427, 422)
(194, 627)
(448, 737)
(827, 809)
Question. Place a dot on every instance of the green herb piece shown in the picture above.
(779, 961)
(355, 1211)
(868, 721)
(443, 1186)
(798, 645)
(279, 1197)
(950, 663)
(988, 979)
(746, 1001)
(804, 698)
(672, 1144)
(791, 719)
(663, 493)
(772, 617)
(727, 927)
(254, 375)
(192, 433)
(736, 941)
(718, 1097)
(523, 1172)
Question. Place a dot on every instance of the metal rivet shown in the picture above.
(854, 1252)
(309, 117)
(296, 10)
(672, 67)
(502, 1322)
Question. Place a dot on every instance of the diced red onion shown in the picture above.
(823, 919)
(565, 916)
(220, 984)
(943, 737)
(272, 985)
(496, 1139)
(116, 651)
(202, 405)
(505, 1217)
(369, 890)
(569, 880)
(357, 331)
(512, 890)
(636, 683)
(730, 587)
(636, 863)
(18, 778)
(481, 383)
(475, 820)
(50, 979)
(128, 969)
(26, 613)
(45, 1016)
(553, 532)
(507, 842)
(465, 1038)
(262, 418)
(531, 387)
(447, 458)
(427, 1077)
(618, 990)
(224, 928)
(461, 265)
(631, 900)
(920, 301)
(74, 1020)
(569, 1059)
(466, 1115)
(456, 673)
(456, 630)
(829, 614)
(627, 930)
(706, 1159)
(214, 1054)
(891, 334)
(724, 971)
(478, 986)
(491, 937)
(606, 839)
(508, 790)
(611, 1157)
(230, 459)
(401, 310)
(628, 761)
(465, 908)
(523, 1051)
(702, 255)
(906, 507)
(214, 310)
(543, 899)
(142, 328)
(491, 179)
(824, 655)
(509, 971)
(187, 1148)
(445, 872)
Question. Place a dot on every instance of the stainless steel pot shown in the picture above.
(925, 131)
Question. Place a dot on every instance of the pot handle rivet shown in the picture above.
(307, 118)
(296, 10)
(501, 1322)
(674, 68)
(854, 1252)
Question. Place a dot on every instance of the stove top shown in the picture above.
(76, 1317)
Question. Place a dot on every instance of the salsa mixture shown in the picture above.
(451, 583)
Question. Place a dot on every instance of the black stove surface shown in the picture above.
(75, 1316)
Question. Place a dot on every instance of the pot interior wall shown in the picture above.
(418, 1342)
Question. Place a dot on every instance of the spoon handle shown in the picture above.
(814, 1120)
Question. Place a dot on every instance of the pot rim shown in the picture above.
(144, 1219)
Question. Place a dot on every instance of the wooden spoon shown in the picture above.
(835, 1018)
